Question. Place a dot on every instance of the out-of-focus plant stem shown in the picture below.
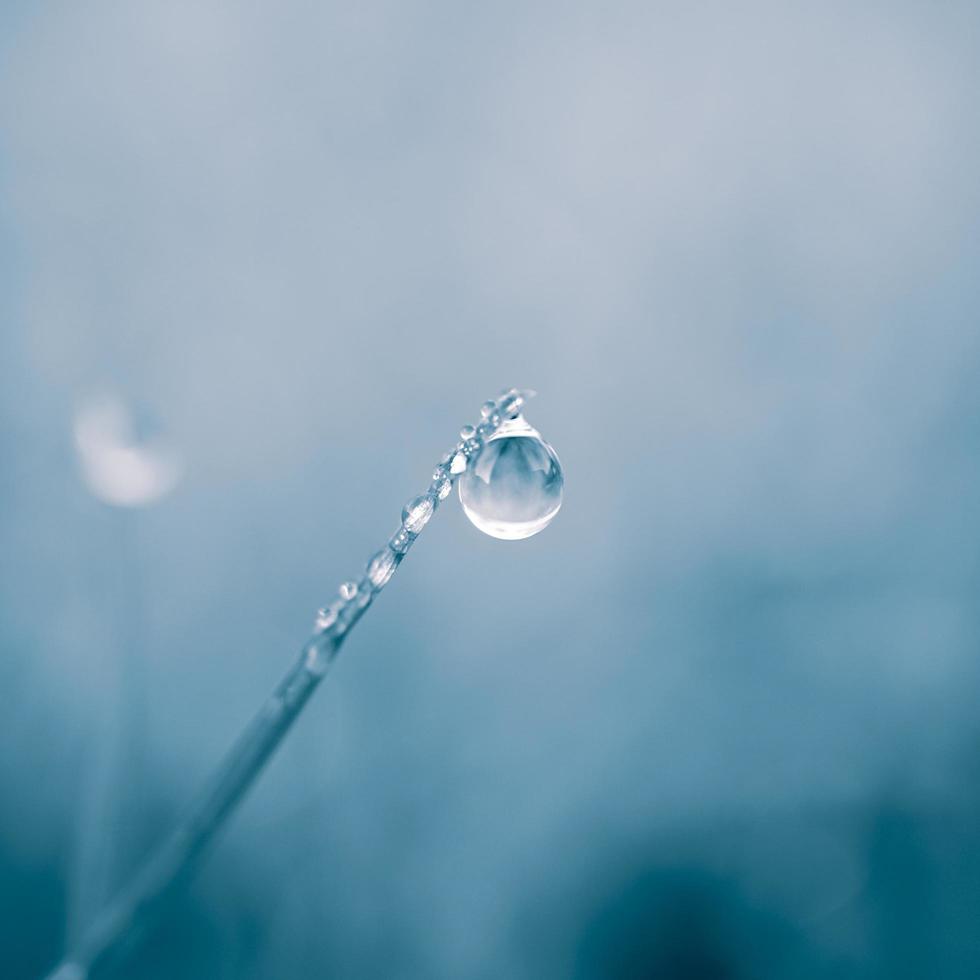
(127, 917)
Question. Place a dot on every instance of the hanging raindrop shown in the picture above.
(513, 488)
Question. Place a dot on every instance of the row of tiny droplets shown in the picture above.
(335, 619)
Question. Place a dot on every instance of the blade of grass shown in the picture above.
(132, 912)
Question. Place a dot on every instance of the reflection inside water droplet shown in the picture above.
(513, 488)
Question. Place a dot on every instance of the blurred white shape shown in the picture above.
(117, 468)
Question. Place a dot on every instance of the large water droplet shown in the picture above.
(513, 488)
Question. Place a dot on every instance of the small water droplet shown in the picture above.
(400, 541)
(417, 512)
(510, 404)
(325, 617)
(348, 590)
(381, 567)
(513, 488)
(441, 487)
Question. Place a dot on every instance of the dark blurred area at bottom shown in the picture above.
(889, 891)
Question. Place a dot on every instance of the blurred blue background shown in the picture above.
(720, 719)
